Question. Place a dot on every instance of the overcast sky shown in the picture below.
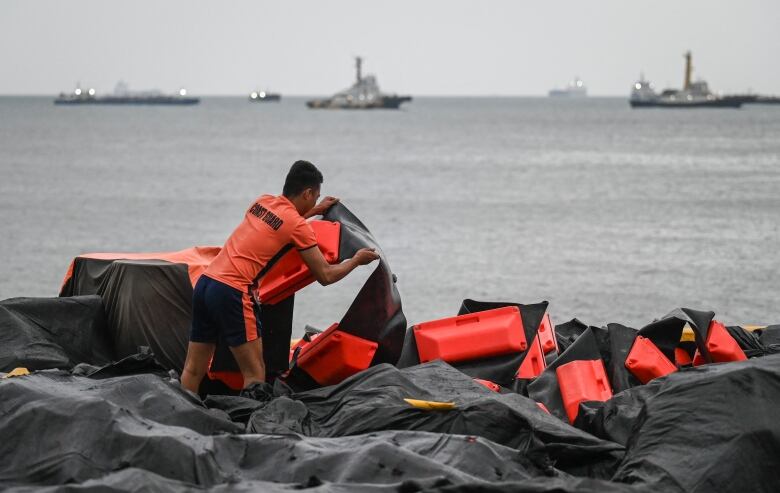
(417, 47)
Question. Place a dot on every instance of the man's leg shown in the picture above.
(196, 365)
(249, 357)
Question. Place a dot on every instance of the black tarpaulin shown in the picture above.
(40, 333)
(145, 396)
(710, 428)
(749, 342)
(567, 332)
(147, 303)
(699, 321)
(141, 481)
(84, 276)
(614, 419)
(770, 338)
(539, 485)
(63, 429)
(615, 343)
(373, 401)
(147, 297)
(375, 314)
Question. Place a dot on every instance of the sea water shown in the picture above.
(610, 214)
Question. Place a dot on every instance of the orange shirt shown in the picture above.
(269, 227)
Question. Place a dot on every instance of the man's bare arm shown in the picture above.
(326, 273)
(322, 207)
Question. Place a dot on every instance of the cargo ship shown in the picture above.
(264, 97)
(123, 96)
(364, 94)
(755, 98)
(575, 89)
(693, 94)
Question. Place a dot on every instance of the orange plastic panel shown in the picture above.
(681, 357)
(583, 380)
(487, 383)
(300, 343)
(721, 345)
(471, 336)
(335, 355)
(646, 362)
(534, 363)
(546, 335)
(290, 274)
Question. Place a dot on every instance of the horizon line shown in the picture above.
(297, 95)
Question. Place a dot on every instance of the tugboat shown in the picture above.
(692, 95)
(122, 95)
(575, 89)
(363, 95)
(264, 97)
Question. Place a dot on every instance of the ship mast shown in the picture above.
(688, 70)
(358, 63)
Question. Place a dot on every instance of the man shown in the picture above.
(222, 304)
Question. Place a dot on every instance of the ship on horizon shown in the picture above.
(364, 94)
(264, 97)
(123, 96)
(693, 94)
(574, 89)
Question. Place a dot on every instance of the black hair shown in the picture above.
(302, 175)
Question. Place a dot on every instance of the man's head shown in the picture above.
(302, 186)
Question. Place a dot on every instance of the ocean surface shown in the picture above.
(611, 214)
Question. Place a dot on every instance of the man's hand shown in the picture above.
(365, 256)
(323, 206)
(326, 273)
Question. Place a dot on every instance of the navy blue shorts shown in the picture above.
(221, 311)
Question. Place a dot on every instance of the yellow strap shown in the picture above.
(431, 405)
(687, 334)
(17, 372)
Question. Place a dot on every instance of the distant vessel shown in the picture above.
(755, 98)
(122, 95)
(575, 89)
(264, 97)
(363, 95)
(692, 95)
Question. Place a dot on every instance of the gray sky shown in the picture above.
(416, 47)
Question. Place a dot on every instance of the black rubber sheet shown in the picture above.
(374, 401)
(375, 314)
(701, 429)
(712, 428)
(95, 428)
(40, 333)
(147, 303)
